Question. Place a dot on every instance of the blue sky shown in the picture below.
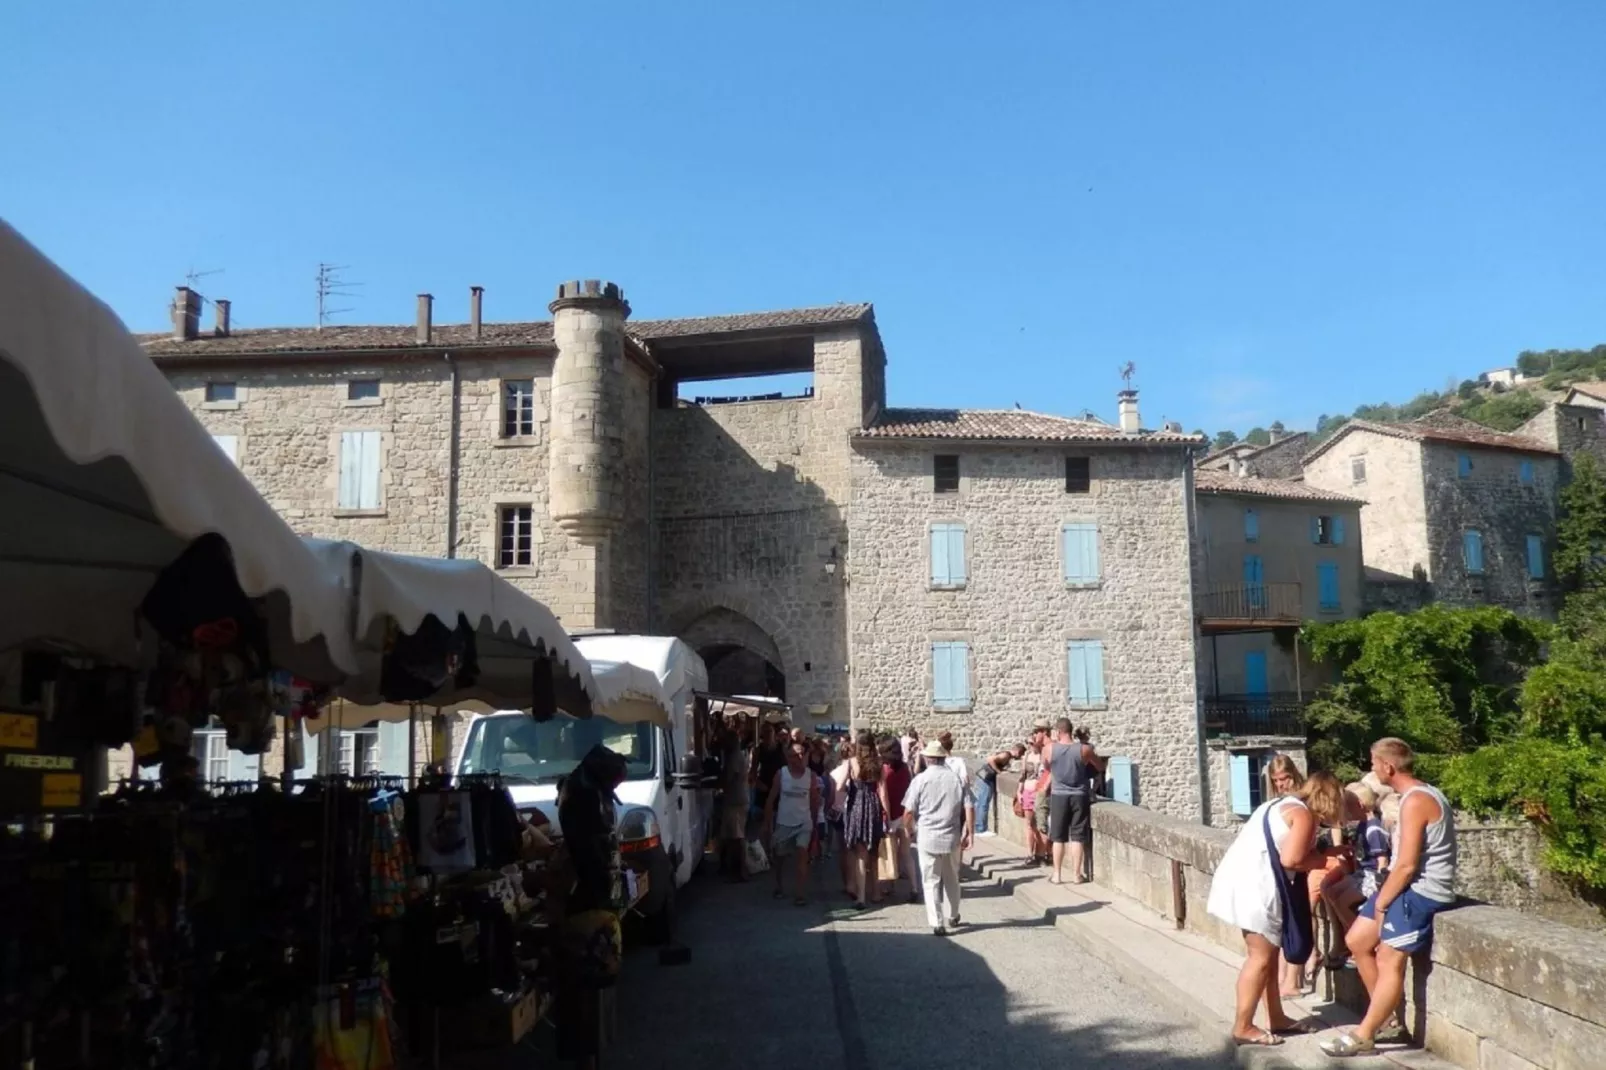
(1276, 210)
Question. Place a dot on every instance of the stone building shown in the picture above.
(1277, 459)
(563, 453)
(1455, 513)
(1271, 555)
(1574, 426)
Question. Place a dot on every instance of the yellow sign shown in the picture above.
(62, 789)
(19, 731)
(63, 762)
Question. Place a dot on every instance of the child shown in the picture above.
(1370, 841)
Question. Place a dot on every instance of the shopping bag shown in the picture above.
(757, 860)
(351, 1030)
(887, 860)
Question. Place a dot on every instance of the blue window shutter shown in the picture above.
(1077, 668)
(244, 767)
(1251, 526)
(393, 748)
(1315, 529)
(1338, 531)
(1536, 557)
(1120, 780)
(1242, 804)
(1525, 471)
(1472, 550)
(940, 569)
(368, 490)
(1463, 465)
(942, 674)
(1090, 550)
(958, 570)
(1256, 680)
(350, 469)
(1093, 656)
(1081, 553)
(959, 667)
(1327, 584)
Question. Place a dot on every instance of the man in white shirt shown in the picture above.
(941, 812)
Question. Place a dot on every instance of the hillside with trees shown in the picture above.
(1498, 407)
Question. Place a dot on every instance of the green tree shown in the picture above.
(1277, 427)
(1502, 410)
(1257, 436)
(1444, 680)
(1224, 439)
(1467, 390)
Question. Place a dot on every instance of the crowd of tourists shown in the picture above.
(1374, 859)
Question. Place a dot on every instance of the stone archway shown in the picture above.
(742, 658)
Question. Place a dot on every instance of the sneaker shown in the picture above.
(984, 835)
(939, 931)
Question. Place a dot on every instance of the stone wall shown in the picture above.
(1394, 531)
(1499, 990)
(1494, 501)
(1280, 459)
(1016, 611)
(1572, 429)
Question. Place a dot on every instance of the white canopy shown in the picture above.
(511, 630)
(106, 477)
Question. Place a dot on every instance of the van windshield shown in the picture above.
(544, 752)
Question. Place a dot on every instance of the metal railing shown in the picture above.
(1279, 713)
(1253, 602)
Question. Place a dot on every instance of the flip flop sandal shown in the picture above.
(1303, 1028)
(1261, 1039)
(1347, 1046)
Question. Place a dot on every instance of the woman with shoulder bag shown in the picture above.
(1258, 890)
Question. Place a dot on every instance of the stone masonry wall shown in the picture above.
(1016, 611)
(1394, 531)
(1495, 502)
(1280, 459)
(747, 500)
(1572, 429)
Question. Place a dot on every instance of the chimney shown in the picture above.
(1278, 436)
(186, 315)
(476, 295)
(221, 307)
(1127, 406)
(426, 305)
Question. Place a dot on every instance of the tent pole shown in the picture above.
(412, 745)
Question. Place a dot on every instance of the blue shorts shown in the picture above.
(1408, 922)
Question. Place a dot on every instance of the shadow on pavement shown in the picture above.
(771, 986)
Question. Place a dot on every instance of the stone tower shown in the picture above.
(586, 478)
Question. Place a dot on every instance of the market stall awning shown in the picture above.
(629, 694)
(772, 710)
(106, 477)
(513, 632)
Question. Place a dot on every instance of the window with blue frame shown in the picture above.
(1472, 551)
(1536, 557)
(1251, 526)
(1463, 466)
(1327, 586)
(1525, 473)
(950, 675)
(1327, 530)
(1248, 790)
(1085, 668)
(948, 567)
(1080, 553)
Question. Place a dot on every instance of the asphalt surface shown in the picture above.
(773, 986)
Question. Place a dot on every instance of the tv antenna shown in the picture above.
(1128, 370)
(330, 284)
(191, 277)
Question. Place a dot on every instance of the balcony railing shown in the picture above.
(1274, 714)
(1252, 604)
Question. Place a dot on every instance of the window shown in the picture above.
(1254, 582)
(1525, 473)
(1327, 530)
(230, 445)
(1536, 557)
(948, 555)
(1251, 526)
(359, 470)
(1463, 466)
(211, 749)
(950, 675)
(1078, 475)
(1327, 586)
(362, 390)
(515, 537)
(1248, 789)
(1080, 550)
(359, 751)
(1357, 469)
(518, 407)
(945, 473)
(1472, 551)
(217, 393)
(1085, 668)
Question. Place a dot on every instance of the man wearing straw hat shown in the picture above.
(941, 812)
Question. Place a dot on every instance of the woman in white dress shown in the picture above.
(1243, 893)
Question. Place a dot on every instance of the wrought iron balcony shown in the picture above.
(1280, 713)
(1251, 607)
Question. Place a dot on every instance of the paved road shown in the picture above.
(772, 986)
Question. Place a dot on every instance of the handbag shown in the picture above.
(1016, 808)
(1293, 897)
(887, 860)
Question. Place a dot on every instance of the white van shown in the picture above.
(664, 810)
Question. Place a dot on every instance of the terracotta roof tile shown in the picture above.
(1216, 481)
(1439, 427)
(1593, 390)
(1008, 425)
(267, 341)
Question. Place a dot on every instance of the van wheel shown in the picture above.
(658, 929)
